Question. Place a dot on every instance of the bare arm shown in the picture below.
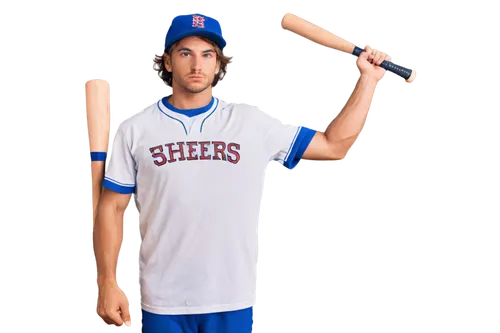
(343, 131)
(97, 171)
(346, 127)
(340, 135)
(108, 233)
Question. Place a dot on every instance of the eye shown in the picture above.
(184, 53)
(208, 54)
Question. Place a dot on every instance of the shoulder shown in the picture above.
(138, 119)
(132, 127)
(234, 106)
(248, 111)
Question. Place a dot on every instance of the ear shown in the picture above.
(217, 68)
(166, 61)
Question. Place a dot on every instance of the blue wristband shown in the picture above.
(98, 156)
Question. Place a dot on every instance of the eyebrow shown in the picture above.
(187, 49)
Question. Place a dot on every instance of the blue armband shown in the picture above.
(98, 156)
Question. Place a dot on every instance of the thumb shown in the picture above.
(125, 314)
(368, 49)
(365, 53)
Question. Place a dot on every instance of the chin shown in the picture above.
(197, 87)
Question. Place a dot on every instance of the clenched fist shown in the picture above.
(113, 306)
(368, 63)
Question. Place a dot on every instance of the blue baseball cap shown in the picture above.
(194, 25)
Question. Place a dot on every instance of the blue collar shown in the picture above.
(187, 112)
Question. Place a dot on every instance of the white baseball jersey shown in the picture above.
(197, 178)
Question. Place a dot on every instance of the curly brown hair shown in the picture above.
(166, 76)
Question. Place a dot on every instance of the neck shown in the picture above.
(184, 100)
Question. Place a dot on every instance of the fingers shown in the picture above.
(376, 57)
(110, 316)
(108, 322)
(379, 57)
(371, 54)
(113, 318)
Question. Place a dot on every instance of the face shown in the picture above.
(193, 64)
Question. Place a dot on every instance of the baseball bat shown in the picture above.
(97, 100)
(326, 38)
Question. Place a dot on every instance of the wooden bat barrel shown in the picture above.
(98, 116)
(315, 33)
(324, 37)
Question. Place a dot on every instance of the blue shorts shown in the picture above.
(237, 321)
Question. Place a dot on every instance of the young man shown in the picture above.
(196, 166)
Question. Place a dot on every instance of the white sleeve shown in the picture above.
(285, 143)
(120, 175)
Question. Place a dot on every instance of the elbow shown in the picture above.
(334, 153)
(340, 148)
(338, 156)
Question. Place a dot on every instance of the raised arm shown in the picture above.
(108, 233)
(335, 142)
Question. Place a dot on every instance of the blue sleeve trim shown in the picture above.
(117, 186)
(299, 147)
(98, 156)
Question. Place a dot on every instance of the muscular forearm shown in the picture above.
(347, 125)
(97, 171)
(108, 235)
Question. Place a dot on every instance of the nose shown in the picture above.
(196, 64)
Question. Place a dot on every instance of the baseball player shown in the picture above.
(196, 166)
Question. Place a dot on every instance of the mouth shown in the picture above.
(195, 77)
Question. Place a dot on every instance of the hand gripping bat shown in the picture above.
(321, 36)
(97, 99)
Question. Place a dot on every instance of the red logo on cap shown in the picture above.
(198, 21)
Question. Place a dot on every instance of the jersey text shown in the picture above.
(195, 150)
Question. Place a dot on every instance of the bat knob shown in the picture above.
(412, 77)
